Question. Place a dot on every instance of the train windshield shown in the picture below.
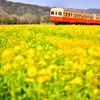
(56, 13)
(60, 13)
(52, 12)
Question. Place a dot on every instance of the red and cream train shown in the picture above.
(63, 16)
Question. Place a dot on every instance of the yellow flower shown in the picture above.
(46, 56)
(49, 72)
(30, 62)
(39, 48)
(0, 71)
(42, 72)
(81, 52)
(67, 88)
(54, 74)
(19, 58)
(63, 77)
(79, 67)
(94, 51)
(96, 91)
(6, 54)
(29, 80)
(89, 74)
(7, 67)
(77, 80)
(17, 48)
(42, 62)
(30, 52)
(51, 67)
(88, 85)
(31, 71)
(40, 79)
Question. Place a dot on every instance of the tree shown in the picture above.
(46, 19)
(27, 18)
(15, 20)
(37, 20)
(4, 19)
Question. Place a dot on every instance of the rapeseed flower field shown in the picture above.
(48, 62)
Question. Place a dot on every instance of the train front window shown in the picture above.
(55, 13)
(60, 13)
(52, 12)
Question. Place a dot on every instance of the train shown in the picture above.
(64, 16)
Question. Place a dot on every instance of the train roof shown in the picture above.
(74, 11)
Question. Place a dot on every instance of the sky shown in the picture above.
(80, 4)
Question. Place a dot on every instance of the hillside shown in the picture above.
(12, 13)
(23, 13)
(21, 8)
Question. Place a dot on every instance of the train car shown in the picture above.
(63, 16)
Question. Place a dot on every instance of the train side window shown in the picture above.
(97, 18)
(52, 12)
(85, 16)
(82, 16)
(78, 16)
(68, 14)
(60, 13)
(75, 15)
(91, 17)
(72, 15)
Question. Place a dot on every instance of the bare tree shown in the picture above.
(28, 18)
